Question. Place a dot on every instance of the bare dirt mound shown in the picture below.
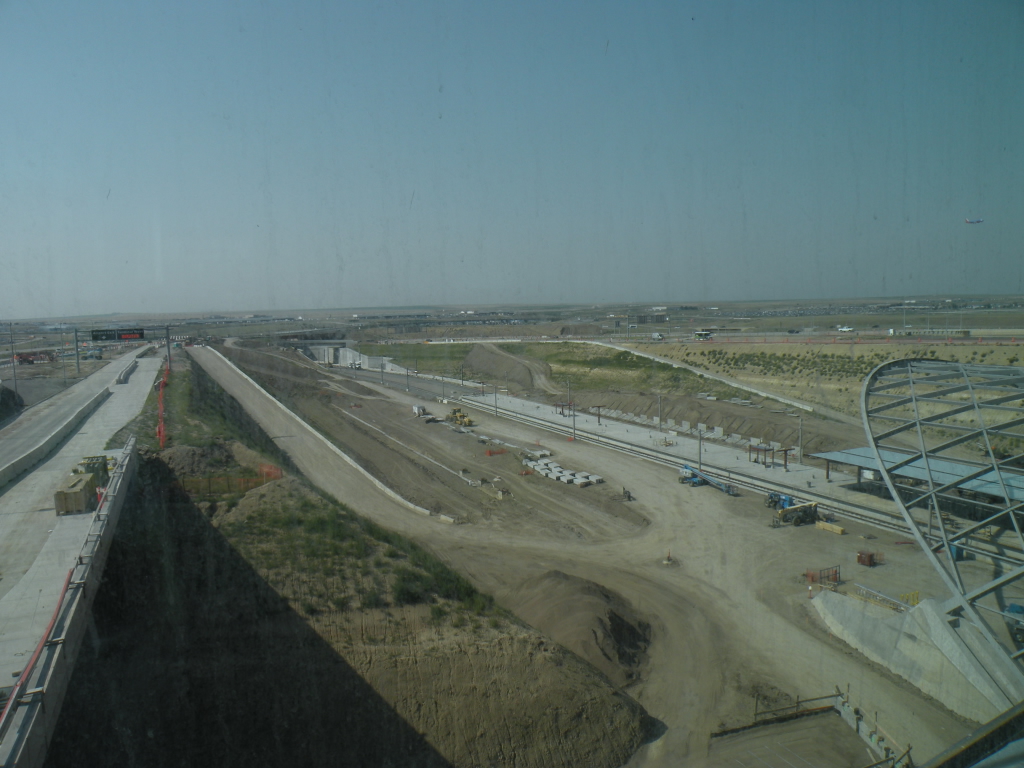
(590, 620)
(198, 462)
(490, 361)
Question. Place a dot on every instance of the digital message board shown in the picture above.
(118, 334)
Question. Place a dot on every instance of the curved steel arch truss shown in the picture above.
(949, 439)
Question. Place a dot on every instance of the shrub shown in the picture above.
(372, 598)
(437, 613)
(411, 587)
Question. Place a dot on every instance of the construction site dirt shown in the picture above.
(714, 598)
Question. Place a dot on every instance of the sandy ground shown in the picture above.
(729, 618)
(823, 741)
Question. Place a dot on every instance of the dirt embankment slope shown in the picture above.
(589, 619)
(492, 362)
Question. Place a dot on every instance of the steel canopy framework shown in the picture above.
(926, 414)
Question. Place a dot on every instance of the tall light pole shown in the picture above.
(495, 399)
(800, 438)
(700, 450)
(659, 413)
(14, 362)
(63, 359)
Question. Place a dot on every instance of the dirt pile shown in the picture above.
(508, 697)
(198, 462)
(594, 622)
(489, 362)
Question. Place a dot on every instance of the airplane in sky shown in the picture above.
(973, 221)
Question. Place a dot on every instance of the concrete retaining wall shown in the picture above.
(18, 467)
(923, 648)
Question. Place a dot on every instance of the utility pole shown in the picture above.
(659, 413)
(700, 450)
(382, 371)
(800, 438)
(495, 399)
(63, 359)
(78, 365)
(406, 379)
(168, 335)
(14, 361)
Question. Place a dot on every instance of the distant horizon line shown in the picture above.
(649, 305)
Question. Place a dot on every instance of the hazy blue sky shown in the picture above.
(192, 156)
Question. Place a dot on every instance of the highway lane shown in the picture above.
(34, 424)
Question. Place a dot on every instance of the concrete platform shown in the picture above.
(36, 547)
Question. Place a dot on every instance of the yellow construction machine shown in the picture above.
(458, 417)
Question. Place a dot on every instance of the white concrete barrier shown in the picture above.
(123, 376)
(18, 467)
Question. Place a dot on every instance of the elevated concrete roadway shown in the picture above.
(38, 548)
(27, 514)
